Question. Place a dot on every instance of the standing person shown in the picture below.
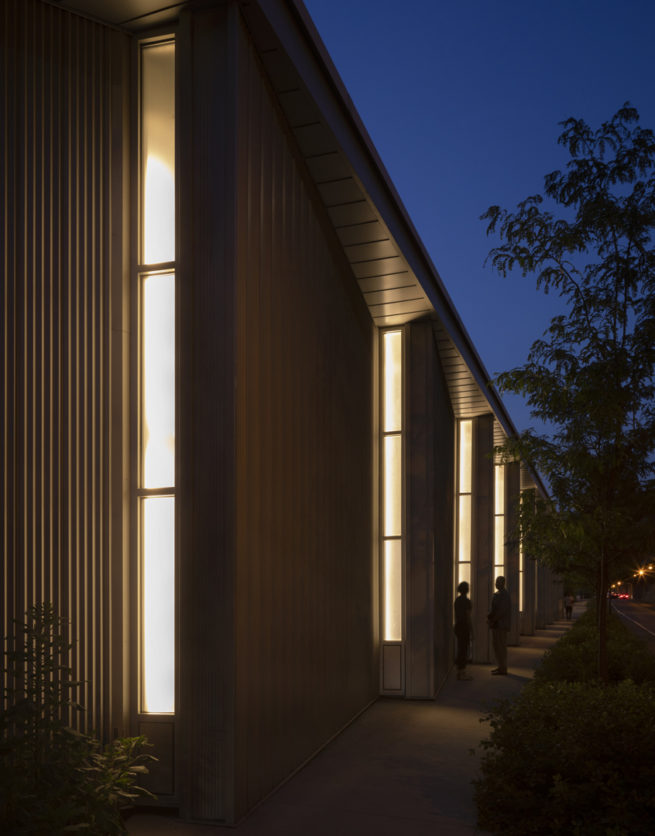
(499, 622)
(568, 606)
(463, 630)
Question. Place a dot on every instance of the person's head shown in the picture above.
(500, 582)
(463, 588)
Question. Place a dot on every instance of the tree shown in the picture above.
(591, 375)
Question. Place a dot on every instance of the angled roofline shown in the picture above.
(311, 58)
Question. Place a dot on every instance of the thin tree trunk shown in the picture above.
(603, 587)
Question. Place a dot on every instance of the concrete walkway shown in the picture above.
(401, 767)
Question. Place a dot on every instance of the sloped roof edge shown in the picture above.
(295, 29)
(311, 58)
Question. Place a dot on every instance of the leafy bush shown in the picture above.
(55, 779)
(570, 758)
(575, 656)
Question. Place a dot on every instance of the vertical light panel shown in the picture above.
(499, 489)
(392, 484)
(158, 579)
(158, 153)
(499, 520)
(464, 528)
(464, 501)
(465, 456)
(521, 577)
(156, 431)
(393, 381)
(393, 561)
(158, 375)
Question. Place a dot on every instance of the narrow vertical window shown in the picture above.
(521, 578)
(499, 520)
(156, 374)
(392, 484)
(464, 500)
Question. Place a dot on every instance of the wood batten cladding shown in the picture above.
(306, 659)
(63, 248)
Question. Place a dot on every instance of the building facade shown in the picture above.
(247, 442)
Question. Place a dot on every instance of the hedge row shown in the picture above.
(575, 656)
(571, 755)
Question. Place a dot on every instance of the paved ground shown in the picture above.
(402, 767)
(638, 616)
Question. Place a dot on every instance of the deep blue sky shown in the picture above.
(462, 99)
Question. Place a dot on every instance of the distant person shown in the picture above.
(568, 606)
(499, 623)
(463, 630)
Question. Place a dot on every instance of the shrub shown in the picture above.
(575, 656)
(55, 779)
(570, 758)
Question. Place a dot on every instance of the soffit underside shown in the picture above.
(392, 292)
(128, 14)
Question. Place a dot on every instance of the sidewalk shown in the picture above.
(402, 767)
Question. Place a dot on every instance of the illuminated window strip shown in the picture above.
(464, 501)
(521, 577)
(392, 486)
(156, 468)
(499, 520)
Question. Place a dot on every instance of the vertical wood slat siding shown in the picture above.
(512, 492)
(482, 535)
(205, 423)
(430, 503)
(305, 654)
(62, 263)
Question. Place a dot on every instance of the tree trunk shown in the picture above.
(603, 587)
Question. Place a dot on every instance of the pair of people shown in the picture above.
(499, 624)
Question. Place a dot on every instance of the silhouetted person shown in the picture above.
(463, 629)
(568, 606)
(499, 622)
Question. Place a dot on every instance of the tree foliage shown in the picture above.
(590, 377)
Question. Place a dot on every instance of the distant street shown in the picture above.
(639, 617)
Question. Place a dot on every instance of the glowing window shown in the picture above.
(464, 501)
(158, 376)
(392, 381)
(499, 520)
(156, 414)
(158, 582)
(393, 582)
(158, 152)
(465, 456)
(392, 485)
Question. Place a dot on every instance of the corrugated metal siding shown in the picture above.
(60, 253)
(306, 661)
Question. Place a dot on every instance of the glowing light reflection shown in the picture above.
(392, 591)
(392, 486)
(464, 533)
(158, 374)
(158, 605)
(465, 455)
(393, 381)
(159, 212)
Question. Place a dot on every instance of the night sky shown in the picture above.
(463, 102)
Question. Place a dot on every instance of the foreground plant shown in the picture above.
(570, 758)
(53, 778)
